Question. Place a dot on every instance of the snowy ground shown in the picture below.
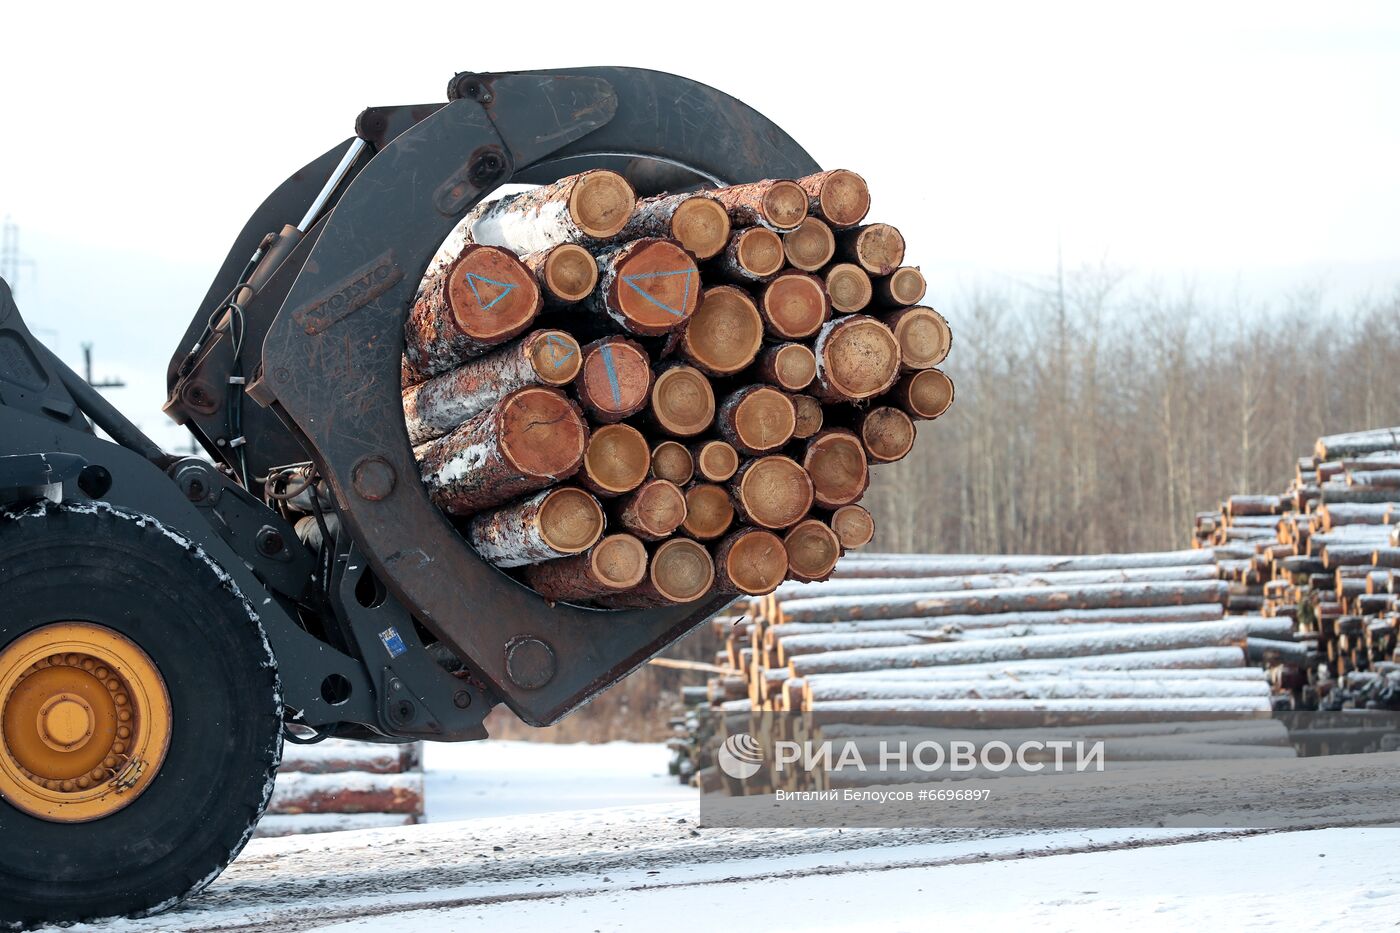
(534, 841)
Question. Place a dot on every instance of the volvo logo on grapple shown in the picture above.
(355, 291)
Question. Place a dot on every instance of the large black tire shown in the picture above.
(132, 575)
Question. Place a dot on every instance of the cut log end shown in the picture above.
(614, 379)
(654, 511)
(853, 525)
(570, 272)
(835, 460)
(656, 287)
(785, 204)
(905, 286)
(708, 511)
(541, 433)
(682, 570)
(790, 366)
(682, 401)
(751, 562)
(795, 305)
(840, 196)
(809, 416)
(876, 248)
(925, 394)
(887, 433)
(571, 521)
(601, 203)
(857, 358)
(773, 492)
(924, 337)
(849, 287)
(701, 224)
(725, 333)
(812, 550)
(717, 461)
(758, 419)
(619, 561)
(671, 461)
(616, 461)
(554, 356)
(492, 295)
(810, 246)
(758, 251)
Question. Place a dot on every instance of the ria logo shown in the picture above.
(740, 756)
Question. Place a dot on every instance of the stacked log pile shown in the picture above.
(1324, 554)
(632, 403)
(1128, 633)
(337, 785)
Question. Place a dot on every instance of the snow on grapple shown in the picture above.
(465, 452)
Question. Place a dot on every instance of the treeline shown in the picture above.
(1090, 418)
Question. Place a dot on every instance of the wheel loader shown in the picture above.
(165, 629)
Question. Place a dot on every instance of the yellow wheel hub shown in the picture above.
(84, 722)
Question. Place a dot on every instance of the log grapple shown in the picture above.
(166, 627)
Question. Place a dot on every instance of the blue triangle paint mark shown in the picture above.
(505, 287)
(554, 340)
(612, 375)
(632, 280)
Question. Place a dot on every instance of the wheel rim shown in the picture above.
(84, 722)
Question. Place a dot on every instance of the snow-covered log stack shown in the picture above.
(338, 784)
(642, 402)
(1325, 553)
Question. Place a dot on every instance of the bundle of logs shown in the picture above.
(1123, 633)
(636, 403)
(338, 784)
(1325, 555)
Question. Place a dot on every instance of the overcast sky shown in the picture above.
(1239, 146)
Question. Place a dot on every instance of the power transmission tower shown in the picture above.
(12, 262)
(87, 372)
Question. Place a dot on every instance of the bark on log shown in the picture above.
(725, 333)
(1360, 443)
(925, 394)
(672, 461)
(647, 287)
(478, 302)
(923, 335)
(794, 306)
(835, 461)
(892, 691)
(1214, 660)
(530, 439)
(809, 414)
(681, 571)
(853, 525)
(337, 755)
(614, 381)
(857, 358)
(772, 492)
(839, 196)
(697, 221)
(654, 511)
(810, 246)
(1160, 638)
(353, 792)
(789, 366)
(749, 561)
(682, 401)
(951, 565)
(753, 255)
(887, 433)
(708, 511)
(757, 419)
(849, 287)
(716, 461)
(876, 248)
(1002, 621)
(616, 563)
(588, 209)
(902, 288)
(616, 460)
(544, 357)
(980, 602)
(812, 550)
(779, 204)
(555, 523)
(566, 274)
(988, 581)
